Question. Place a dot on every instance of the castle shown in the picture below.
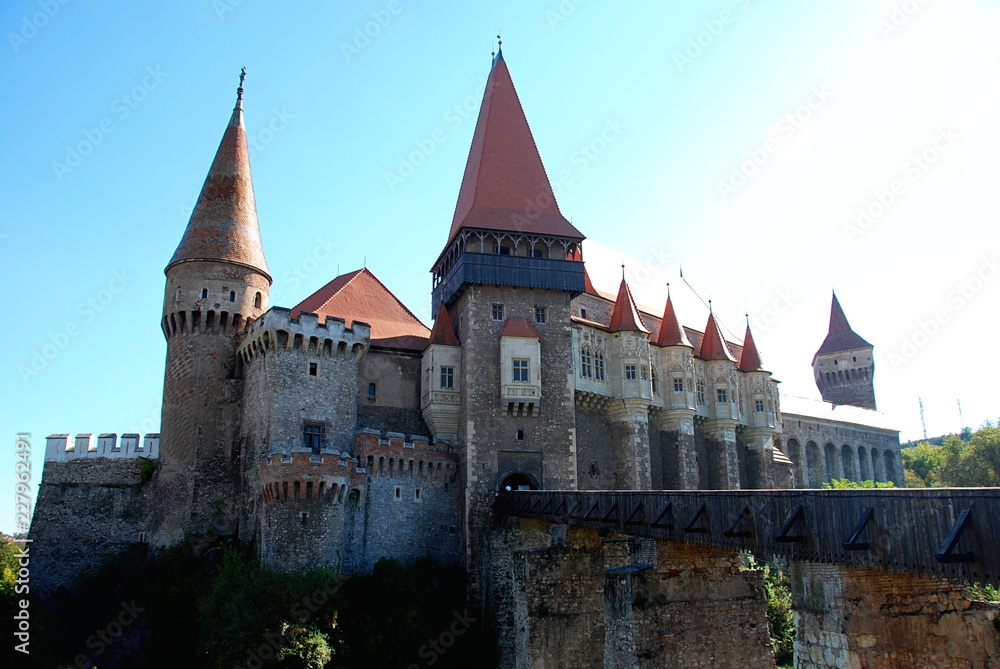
(343, 430)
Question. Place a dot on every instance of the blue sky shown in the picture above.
(741, 140)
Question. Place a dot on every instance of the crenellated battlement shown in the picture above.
(393, 455)
(66, 448)
(301, 475)
(277, 330)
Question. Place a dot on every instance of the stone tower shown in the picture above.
(843, 365)
(506, 277)
(217, 283)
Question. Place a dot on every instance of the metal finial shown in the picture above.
(499, 42)
(243, 76)
(623, 271)
(668, 290)
(710, 306)
(748, 319)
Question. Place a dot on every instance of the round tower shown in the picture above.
(217, 282)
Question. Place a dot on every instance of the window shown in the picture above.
(416, 494)
(701, 392)
(758, 405)
(520, 435)
(678, 384)
(539, 314)
(630, 372)
(498, 312)
(643, 373)
(204, 293)
(232, 296)
(256, 301)
(371, 390)
(313, 435)
(447, 377)
(721, 395)
(652, 374)
(178, 295)
(399, 493)
(313, 368)
(520, 370)
(585, 362)
(599, 365)
(583, 312)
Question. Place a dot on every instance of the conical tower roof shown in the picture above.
(223, 226)
(443, 332)
(505, 186)
(750, 358)
(840, 337)
(713, 345)
(625, 316)
(671, 332)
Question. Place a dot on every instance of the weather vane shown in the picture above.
(243, 76)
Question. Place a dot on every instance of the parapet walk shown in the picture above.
(66, 448)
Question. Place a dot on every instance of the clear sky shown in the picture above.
(738, 139)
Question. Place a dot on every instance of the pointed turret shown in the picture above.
(443, 332)
(840, 336)
(671, 332)
(625, 316)
(223, 225)
(750, 358)
(713, 345)
(505, 186)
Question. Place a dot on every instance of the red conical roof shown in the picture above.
(223, 225)
(505, 186)
(750, 358)
(625, 316)
(671, 333)
(840, 337)
(443, 332)
(713, 346)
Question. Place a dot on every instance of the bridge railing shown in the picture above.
(950, 532)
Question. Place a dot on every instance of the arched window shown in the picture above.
(585, 362)
(652, 375)
(256, 301)
(599, 365)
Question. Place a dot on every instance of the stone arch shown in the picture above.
(830, 462)
(847, 463)
(890, 466)
(864, 465)
(794, 454)
(519, 481)
(813, 474)
(876, 466)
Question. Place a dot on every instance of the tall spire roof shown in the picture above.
(671, 333)
(505, 186)
(223, 225)
(625, 316)
(443, 332)
(750, 358)
(840, 337)
(713, 346)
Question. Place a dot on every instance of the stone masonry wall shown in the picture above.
(852, 617)
(87, 512)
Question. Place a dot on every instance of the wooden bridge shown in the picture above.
(949, 532)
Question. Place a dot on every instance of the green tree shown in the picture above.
(972, 464)
(844, 484)
(921, 464)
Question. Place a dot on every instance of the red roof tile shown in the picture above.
(840, 337)
(505, 186)
(519, 327)
(713, 346)
(443, 332)
(223, 225)
(671, 333)
(750, 358)
(360, 296)
(625, 316)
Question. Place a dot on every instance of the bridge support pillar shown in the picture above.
(680, 424)
(858, 617)
(722, 433)
(760, 457)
